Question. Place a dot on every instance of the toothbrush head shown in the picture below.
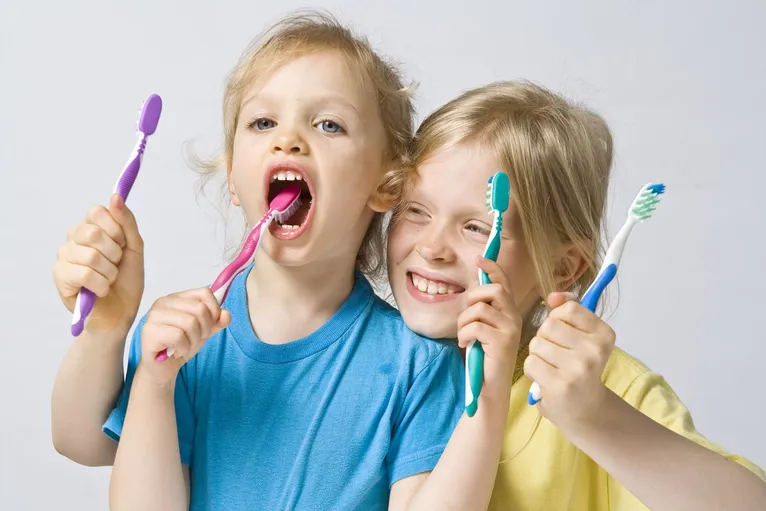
(646, 201)
(498, 192)
(150, 115)
(286, 203)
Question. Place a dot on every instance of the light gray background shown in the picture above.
(680, 82)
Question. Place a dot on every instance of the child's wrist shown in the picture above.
(596, 420)
(160, 385)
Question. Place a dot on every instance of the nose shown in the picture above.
(435, 248)
(289, 141)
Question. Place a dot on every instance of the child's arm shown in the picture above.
(663, 469)
(148, 473)
(105, 254)
(465, 474)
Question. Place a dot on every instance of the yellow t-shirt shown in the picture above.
(541, 470)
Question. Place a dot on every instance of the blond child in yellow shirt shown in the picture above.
(609, 433)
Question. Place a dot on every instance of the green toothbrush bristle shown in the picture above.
(645, 204)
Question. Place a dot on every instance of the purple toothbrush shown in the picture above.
(147, 124)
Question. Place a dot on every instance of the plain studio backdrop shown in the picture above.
(681, 84)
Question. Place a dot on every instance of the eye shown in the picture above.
(478, 229)
(329, 126)
(262, 124)
(415, 211)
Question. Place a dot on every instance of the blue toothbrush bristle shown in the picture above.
(659, 188)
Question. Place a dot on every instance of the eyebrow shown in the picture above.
(323, 99)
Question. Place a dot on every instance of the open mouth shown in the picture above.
(297, 223)
(429, 290)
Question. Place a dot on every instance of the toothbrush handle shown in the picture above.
(86, 299)
(590, 301)
(474, 361)
(592, 296)
(220, 287)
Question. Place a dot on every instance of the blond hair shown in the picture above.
(306, 32)
(558, 156)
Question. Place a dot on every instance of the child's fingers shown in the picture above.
(493, 294)
(575, 314)
(557, 299)
(224, 320)
(93, 236)
(190, 324)
(540, 371)
(166, 336)
(71, 277)
(553, 354)
(196, 309)
(91, 258)
(476, 331)
(101, 217)
(481, 312)
(205, 296)
(124, 216)
(495, 274)
(561, 333)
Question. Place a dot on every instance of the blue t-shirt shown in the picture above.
(329, 421)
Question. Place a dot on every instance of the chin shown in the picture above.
(429, 323)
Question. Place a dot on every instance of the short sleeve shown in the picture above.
(431, 410)
(654, 397)
(183, 403)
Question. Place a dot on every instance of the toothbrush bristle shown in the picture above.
(283, 216)
(646, 201)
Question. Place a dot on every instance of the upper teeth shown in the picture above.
(432, 287)
(286, 176)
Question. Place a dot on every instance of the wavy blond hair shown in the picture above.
(306, 32)
(558, 156)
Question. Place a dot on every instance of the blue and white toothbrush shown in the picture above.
(498, 199)
(640, 209)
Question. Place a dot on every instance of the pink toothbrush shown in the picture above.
(147, 124)
(282, 207)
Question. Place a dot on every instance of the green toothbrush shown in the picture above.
(498, 198)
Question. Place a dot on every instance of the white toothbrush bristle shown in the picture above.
(283, 216)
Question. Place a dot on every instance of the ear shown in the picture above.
(232, 189)
(570, 266)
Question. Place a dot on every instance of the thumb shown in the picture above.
(558, 299)
(224, 320)
(124, 216)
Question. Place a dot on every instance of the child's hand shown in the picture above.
(493, 320)
(181, 321)
(104, 253)
(567, 358)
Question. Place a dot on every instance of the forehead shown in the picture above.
(454, 181)
(458, 174)
(310, 74)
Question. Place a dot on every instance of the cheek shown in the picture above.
(518, 268)
(401, 241)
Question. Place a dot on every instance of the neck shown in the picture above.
(288, 303)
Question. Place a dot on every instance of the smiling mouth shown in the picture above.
(433, 288)
(297, 223)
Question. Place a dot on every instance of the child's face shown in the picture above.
(314, 122)
(433, 248)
